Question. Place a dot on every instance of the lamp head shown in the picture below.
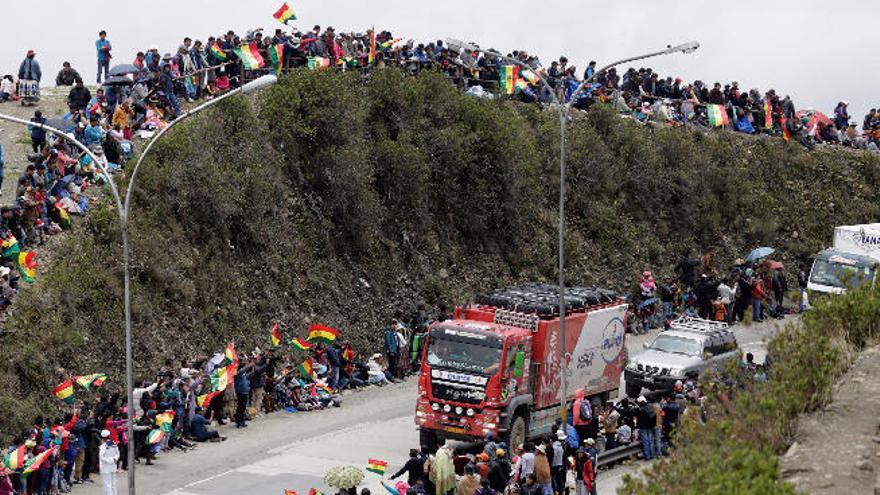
(259, 83)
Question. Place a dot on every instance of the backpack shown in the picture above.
(586, 411)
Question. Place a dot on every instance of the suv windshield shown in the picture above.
(678, 345)
(464, 351)
(838, 274)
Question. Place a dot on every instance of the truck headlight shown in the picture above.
(470, 412)
(447, 408)
(435, 407)
(459, 410)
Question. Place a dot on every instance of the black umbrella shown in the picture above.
(123, 69)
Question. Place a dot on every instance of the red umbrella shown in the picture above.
(814, 118)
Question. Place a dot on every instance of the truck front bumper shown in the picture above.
(450, 424)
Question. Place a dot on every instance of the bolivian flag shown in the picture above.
(377, 466)
(15, 459)
(717, 115)
(64, 216)
(276, 56)
(222, 377)
(205, 399)
(284, 14)
(320, 333)
(315, 492)
(155, 436)
(10, 247)
(348, 354)
(301, 344)
(508, 75)
(36, 462)
(86, 381)
(318, 63)
(27, 265)
(218, 52)
(275, 338)
(250, 56)
(289, 492)
(231, 356)
(165, 421)
(64, 391)
(306, 368)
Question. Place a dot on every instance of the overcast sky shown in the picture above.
(818, 51)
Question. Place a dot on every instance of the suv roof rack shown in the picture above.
(699, 325)
(542, 300)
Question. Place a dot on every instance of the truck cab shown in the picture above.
(834, 271)
(851, 262)
(495, 367)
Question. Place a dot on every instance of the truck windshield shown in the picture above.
(464, 354)
(840, 273)
(678, 345)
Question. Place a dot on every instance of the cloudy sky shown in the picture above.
(818, 51)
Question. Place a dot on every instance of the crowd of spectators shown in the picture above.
(182, 401)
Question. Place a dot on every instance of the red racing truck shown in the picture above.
(495, 366)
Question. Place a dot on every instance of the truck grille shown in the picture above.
(468, 394)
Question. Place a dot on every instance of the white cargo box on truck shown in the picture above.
(863, 239)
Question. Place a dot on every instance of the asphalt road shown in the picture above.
(292, 451)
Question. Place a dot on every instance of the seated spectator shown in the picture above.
(199, 430)
(7, 88)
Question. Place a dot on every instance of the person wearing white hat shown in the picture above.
(557, 467)
(108, 456)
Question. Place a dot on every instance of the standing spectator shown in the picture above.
(686, 268)
(29, 75)
(543, 478)
(758, 295)
(2, 163)
(841, 116)
(38, 133)
(392, 346)
(646, 421)
(803, 277)
(242, 391)
(780, 286)
(167, 79)
(585, 473)
(557, 468)
(582, 413)
(108, 456)
(102, 45)
(66, 76)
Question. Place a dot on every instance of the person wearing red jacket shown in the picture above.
(585, 474)
(758, 295)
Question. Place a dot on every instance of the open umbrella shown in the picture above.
(118, 80)
(123, 69)
(344, 477)
(761, 252)
(814, 118)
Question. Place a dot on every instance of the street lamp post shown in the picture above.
(123, 213)
(564, 115)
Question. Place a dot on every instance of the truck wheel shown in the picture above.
(428, 440)
(518, 429)
(633, 390)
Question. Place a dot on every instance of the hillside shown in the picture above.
(328, 199)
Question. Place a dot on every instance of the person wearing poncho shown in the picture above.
(442, 472)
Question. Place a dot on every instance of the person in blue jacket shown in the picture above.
(102, 46)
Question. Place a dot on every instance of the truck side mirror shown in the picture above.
(519, 363)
